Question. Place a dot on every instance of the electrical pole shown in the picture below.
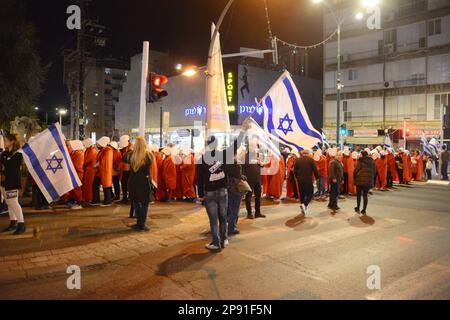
(338, 84)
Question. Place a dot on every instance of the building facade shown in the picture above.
(398, 74)
(184, 108)
(103, 82)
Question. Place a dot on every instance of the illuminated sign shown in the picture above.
(250, 109)
(194, 111)
(230, 91)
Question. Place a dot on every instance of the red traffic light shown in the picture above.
(156, 92)
(407, 132)
(158, 80)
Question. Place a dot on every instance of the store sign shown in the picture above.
(250, 109)
(231, 91)
(195, 111)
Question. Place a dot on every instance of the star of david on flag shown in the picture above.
(49, 163)
(54, 167)
(284, 106)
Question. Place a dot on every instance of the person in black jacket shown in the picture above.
(252, 170)
(139, 181)
(304, 169)
(215, 183)
(10, 163)
(363, 178)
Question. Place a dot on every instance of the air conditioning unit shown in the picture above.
(389, 84)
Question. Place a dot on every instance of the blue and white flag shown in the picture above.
(285, 116)
(426, 147)
(251, 127)
(387, 142)
(325, 142)
(49, 163)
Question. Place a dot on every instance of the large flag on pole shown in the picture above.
(49, 163)
(285, 116)
(387, 141)
(217, 118)
(251, 127)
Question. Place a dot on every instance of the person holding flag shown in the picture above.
(10, 164)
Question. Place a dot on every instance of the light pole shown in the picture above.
(61, 112)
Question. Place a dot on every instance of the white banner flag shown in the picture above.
(49, 163)
(217, 117)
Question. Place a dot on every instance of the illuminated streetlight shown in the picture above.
(316, 1)
(178, 66)
(189, 72)
(36, 108)
(61, 112)
(359, 16)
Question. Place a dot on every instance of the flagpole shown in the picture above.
(143, 103)
(441, 114)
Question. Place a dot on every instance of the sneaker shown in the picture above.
(250, 216)
(20, 228)
(144, 229)
(259, 215)
(233, 232)
(12, 226)
(363, 212)
(94, 204)
(106, 205)
(225, 243)
(76, 207)
(357, 210)
(135, 227)
(302, 209)
(212, 247)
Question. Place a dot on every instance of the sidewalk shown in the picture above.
(55, 262)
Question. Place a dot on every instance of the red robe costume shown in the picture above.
(178, 190)
(117, 163)
(105, 166)
(265, 181)
(391, 166)
(90, 157)
(419, 168)
(381, 166)
(187, 169)
(77, 158)
(350, 165)
(407, 167)
(290, 170)
(169, 177)
(276, 180)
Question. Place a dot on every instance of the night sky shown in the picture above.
(180, 26)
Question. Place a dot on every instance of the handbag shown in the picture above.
(239, 186)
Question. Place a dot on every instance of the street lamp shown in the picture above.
(61, 112)
(339, 85)
(190, 72)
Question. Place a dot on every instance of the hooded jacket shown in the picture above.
(364, 172)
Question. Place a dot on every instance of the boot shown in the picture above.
(12, 226)
(20, 228)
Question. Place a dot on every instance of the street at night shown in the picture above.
(230, 159)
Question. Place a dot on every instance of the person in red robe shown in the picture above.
(381, 167)
(350, 164)
(77, 157)
(178, 194)
(169, 175)
(322, 169)
(419, 166)
(159, 179)
(187, 169)
(276, 180)
(407, 167)
(90, 157)
(290, 178)
(391, 169)
(265, 179)
(104, 173)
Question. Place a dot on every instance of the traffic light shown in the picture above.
(407, 132)
(343, 129)
(156, 92)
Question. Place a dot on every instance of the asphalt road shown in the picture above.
(406, 234)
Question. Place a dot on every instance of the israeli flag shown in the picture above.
(285, 117)
(49, 163)
(251, 127)
(387, 142)
(427, 150)
(325, 142)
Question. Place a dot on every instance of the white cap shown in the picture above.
(390, 150)
(379, 148)
(407, 152)
(375, 154)
(346, 152)
(355, 155)
(317, 155)
(367, 150)
(167, 150)
(154, 148)
(332, 152)
(114, 144)
(103, 141)
(76, 145)
(382, 153)
(124, 141)
(88, 143)
(401, 149)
